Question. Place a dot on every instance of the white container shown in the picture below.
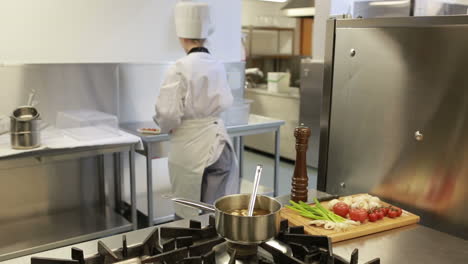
(86, 125)
(237, 114)
(278, 82)
(441, 7)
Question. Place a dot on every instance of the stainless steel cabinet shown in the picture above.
(311, 102)
(396, 117)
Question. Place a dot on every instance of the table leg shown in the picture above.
(133, 187)
(241, 157)
(277, 160)
(235, 141)
(149, 183)
(118, 182)
(101, 180)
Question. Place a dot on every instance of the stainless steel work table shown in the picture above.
(412, 244)
(39, 233)
(257, 125)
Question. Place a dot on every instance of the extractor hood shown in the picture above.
(299, 8)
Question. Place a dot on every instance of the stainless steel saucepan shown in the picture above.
(242, 229)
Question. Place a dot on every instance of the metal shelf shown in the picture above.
(270, 56)
(34, 234)
(269, 28)
(278, 55)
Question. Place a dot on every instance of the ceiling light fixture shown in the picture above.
(277, 1)
(299, 8)
(389, 3)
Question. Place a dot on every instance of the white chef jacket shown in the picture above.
(193, 95)
(195, 87)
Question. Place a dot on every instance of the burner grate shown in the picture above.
(307, 248)
(197, 245)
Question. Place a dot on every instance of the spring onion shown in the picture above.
(317, 212)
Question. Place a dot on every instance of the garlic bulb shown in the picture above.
(360, 205)
(329, 225)
(332, 203)
(359, 199)
(373, 205)
(318, 222)
(348, 201)
(351, 222)
(342, 226)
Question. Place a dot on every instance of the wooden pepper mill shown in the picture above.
(300, 180)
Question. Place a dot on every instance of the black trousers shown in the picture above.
(215, 177)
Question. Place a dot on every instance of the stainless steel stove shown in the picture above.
(195, 244)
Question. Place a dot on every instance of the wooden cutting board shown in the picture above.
(367, 228)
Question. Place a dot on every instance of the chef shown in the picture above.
(202, 164)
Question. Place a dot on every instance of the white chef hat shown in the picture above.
(193, 20)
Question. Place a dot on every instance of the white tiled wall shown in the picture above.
(138, 31)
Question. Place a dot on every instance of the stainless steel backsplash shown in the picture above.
(126, 90)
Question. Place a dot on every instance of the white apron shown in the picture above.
(195, 145)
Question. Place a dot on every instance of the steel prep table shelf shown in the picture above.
(257, 125)
(36, 234)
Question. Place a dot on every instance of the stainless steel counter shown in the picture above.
(412, 244)
(256, 124)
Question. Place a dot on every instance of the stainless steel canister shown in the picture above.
(24, 128)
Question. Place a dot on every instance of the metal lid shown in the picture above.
(25, 113)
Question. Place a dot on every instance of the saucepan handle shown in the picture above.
(195, 204)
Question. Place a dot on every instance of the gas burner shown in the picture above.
(239, 251)
(202, 245)
(130, 261)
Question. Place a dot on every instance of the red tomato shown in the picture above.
(392, 213)
(373, 216)
(341, 209)
(358, 215)
(380, 213)
(399, 211)
(385, 210)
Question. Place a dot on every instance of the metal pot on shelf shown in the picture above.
(240, 229)
(24, 128)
